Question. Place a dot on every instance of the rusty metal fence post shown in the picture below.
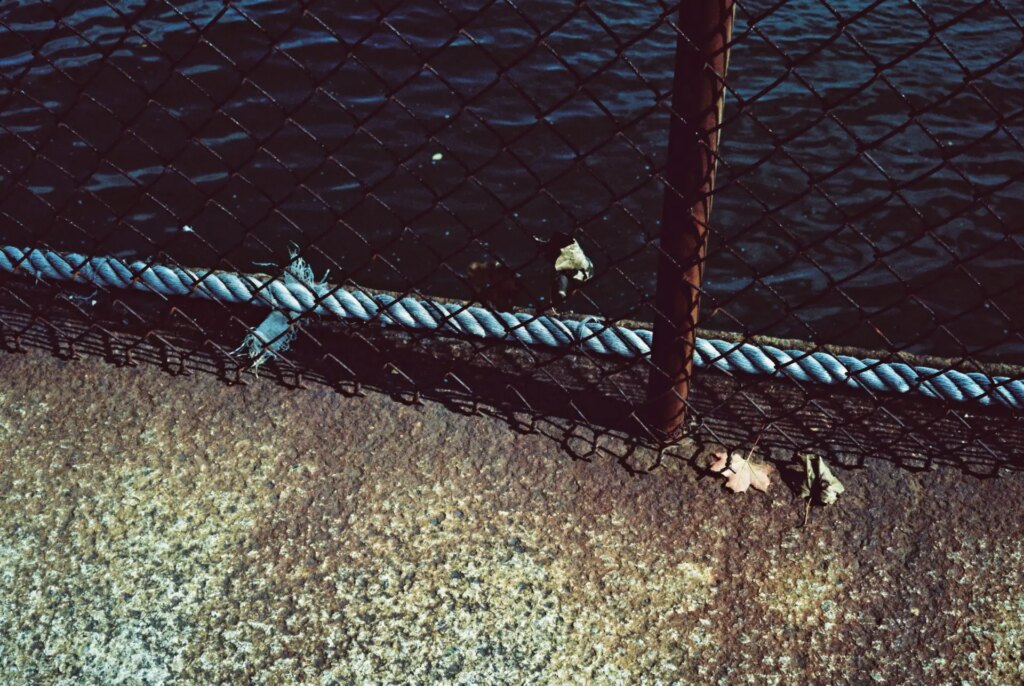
(704, 34)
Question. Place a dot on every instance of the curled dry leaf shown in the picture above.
(820, 484)
(740, 472)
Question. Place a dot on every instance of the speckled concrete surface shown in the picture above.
(158, 529)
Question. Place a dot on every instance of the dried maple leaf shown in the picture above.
(740, 472)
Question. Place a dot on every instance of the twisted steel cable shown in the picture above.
(300, 296)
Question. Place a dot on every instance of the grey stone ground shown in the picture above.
(158, 529)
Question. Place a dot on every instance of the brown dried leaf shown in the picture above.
(740, 473)
(759, 476)
(820, 484)
(722, 462)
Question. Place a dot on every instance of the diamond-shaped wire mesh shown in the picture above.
(869, 189)
(872, 180)
(869, 195)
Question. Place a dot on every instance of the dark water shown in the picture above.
(871, 189)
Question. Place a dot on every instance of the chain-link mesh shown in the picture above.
(868, 194)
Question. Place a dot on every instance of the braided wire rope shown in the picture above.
(298, 296)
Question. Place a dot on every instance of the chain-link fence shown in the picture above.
(870, 196)
(499, 202)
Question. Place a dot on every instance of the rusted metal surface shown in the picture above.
(697, 100)
(164, 528)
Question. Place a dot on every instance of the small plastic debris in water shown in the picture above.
(437, 157)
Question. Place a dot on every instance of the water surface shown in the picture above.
(870, 188)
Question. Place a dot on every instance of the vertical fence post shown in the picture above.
(698, 90)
